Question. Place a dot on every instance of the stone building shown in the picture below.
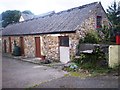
(54, 36)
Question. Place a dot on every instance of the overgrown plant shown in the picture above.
(106, 31)
(91, 37)
(91, 61)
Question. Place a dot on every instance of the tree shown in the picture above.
(27, 12)
(113, 12)
(10, 16)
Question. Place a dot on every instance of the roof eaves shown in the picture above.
(61, 32)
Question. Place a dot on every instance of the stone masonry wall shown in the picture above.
(7, 44)
(51, 45)
(90, 22)
(13, 38)
(29, 46)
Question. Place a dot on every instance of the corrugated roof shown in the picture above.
(64, 21)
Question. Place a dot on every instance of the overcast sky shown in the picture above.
(43, 6)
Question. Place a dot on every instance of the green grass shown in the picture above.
(78, 74)
(66, 75)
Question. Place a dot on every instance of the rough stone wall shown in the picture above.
(90, 22)
(13, 38)
(100, 12)
(7, 44)
(51, 45)
(29, 46)
(87, 25)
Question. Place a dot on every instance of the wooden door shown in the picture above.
(10, 48)
(37, 47)
(22, 45)
(5, 47)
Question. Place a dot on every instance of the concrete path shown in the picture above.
(19, 74)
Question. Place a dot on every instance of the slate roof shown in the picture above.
(64, 21)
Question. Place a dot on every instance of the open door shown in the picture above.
(37, 47)
(64, 49)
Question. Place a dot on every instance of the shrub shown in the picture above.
(91, 37)
(96, 59)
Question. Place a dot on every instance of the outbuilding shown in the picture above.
(54, 36)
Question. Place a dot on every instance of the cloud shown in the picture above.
(42, 6)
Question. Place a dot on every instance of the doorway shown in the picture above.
(37, 47)
(22, 45)
(64, 49)
(5, 47)
(10, 46)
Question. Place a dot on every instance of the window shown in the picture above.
(64, 41)
(99, 22)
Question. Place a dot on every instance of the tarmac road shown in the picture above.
(75, 82)
(20, 74)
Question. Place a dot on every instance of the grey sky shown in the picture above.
(42, 6)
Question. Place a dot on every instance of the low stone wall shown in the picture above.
(114, 55)
(88, 46)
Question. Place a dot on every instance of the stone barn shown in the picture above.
(54, 36)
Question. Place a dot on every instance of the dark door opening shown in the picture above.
(5, 47)
(10, 46)
(22, 45)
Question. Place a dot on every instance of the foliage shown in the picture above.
(28, 12)
(10, 17)
(91, 37)
(113, 13)
(106, 32)
(89, 61)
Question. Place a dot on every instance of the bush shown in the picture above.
(91, 37)
(95, 60)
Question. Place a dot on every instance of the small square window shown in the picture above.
(64, 41)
